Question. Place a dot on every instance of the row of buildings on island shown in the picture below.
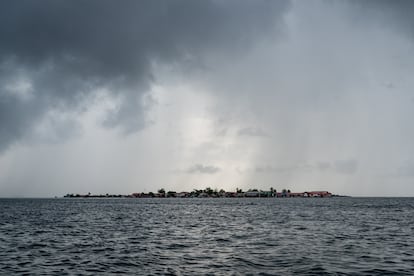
(250, 193)
(210, 193)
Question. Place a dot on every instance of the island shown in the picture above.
(213, 193)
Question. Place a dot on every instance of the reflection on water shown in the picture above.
(198, 236)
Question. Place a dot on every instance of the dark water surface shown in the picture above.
(357, 236)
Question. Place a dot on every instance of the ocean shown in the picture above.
(222, 236)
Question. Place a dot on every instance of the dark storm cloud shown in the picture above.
(66, 49)
(395, 14)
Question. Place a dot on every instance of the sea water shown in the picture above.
(222, 236)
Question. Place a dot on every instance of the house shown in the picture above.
(252, 194)
(296, 194)
(182, 194)
(319, 194)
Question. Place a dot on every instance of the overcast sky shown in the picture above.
(127, 96)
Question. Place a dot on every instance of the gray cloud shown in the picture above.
(346, 166)
(204, 169)
(397, 13)
(272, 169)
(404, 171)
(252, 131)
(66, 50)
(323, 165)
(339, 166)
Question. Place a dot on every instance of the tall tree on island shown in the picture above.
(162, 192)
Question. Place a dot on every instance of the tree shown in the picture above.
(197, 192)
(208, 191)
(161, 191)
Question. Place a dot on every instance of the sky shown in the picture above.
(108, 96)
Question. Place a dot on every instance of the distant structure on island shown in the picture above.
(210, 193)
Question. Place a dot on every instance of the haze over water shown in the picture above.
(275, 236)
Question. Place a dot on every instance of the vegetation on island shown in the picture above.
(211, 193)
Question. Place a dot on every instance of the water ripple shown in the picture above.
(340, 236)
